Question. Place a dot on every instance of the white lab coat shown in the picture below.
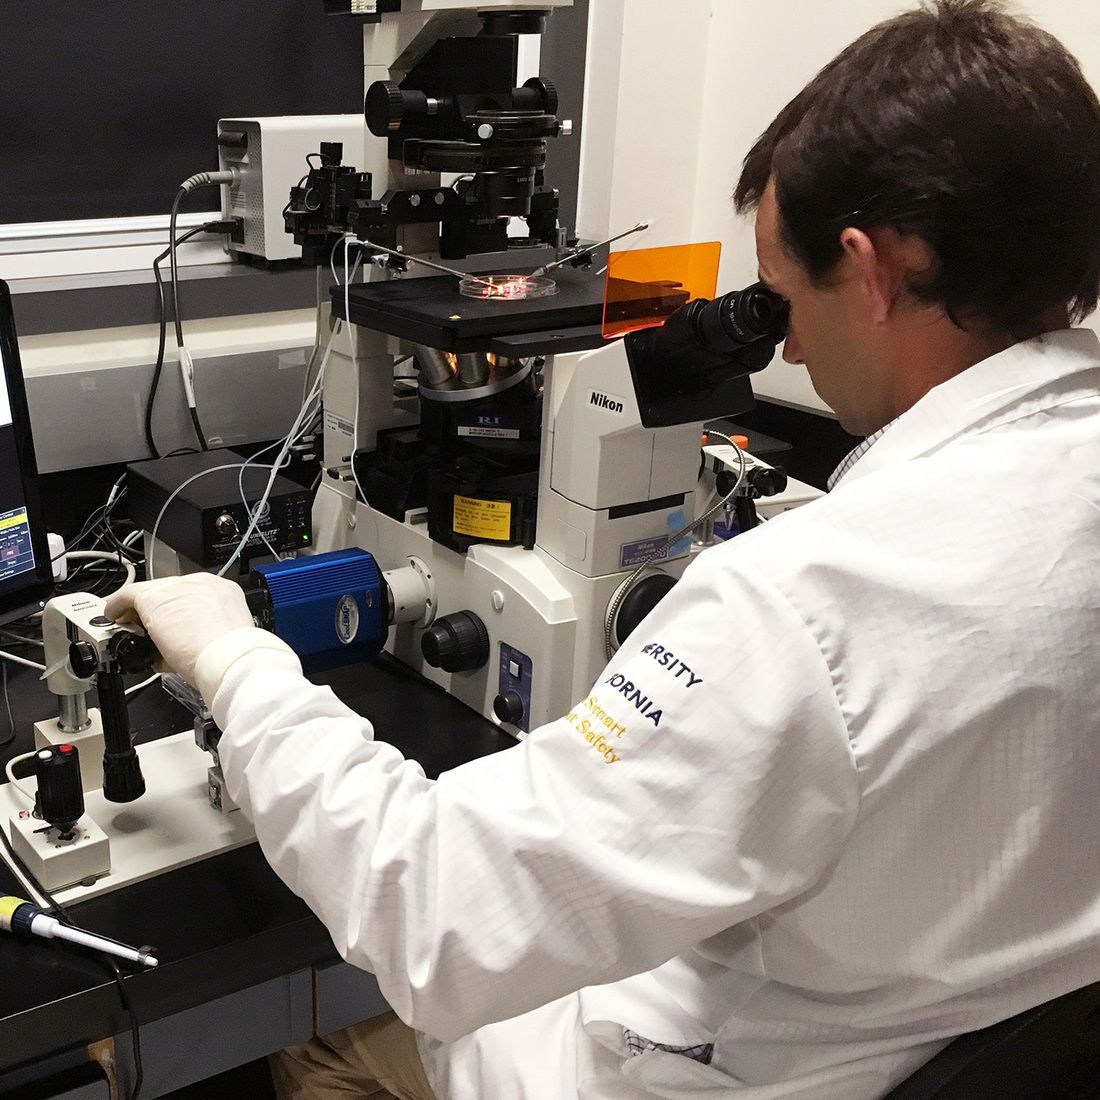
(833, 803)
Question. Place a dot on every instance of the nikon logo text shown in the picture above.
(602, 401)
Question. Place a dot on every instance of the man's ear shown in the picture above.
(871, 263)
(884, 261)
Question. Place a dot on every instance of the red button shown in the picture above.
(66, 749)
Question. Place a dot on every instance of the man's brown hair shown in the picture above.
(961, 124)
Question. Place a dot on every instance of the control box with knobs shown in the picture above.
(206, 518)
(59, 844)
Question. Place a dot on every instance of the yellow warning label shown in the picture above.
(483, 519)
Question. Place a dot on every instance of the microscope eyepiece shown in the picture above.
(727, 324)
(696, 364)
(752, 313)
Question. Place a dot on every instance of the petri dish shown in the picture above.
(507, 288)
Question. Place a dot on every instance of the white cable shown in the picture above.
(316, 349)
(281, 460)
(132, 537)
(301, 421)
(143, 684)
(355, 368)
(244, 498)
(5, 655)
(9, 771)
(308, 398)
(103, 555)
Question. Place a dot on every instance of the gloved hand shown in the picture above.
(182, 615)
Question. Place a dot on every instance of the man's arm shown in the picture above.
(706, 778)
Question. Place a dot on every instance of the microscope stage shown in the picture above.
(431, 311)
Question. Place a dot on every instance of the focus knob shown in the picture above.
(546, 92)
(387, 108)
(508, 707)
(456, 643)
(83, 659)
(133, 652)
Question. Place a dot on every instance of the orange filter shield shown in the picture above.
(645, 285)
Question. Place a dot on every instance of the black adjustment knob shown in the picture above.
(122, 778)
(768, 483)
(456, 643)
(133, 652)
(546, 92)
(639, 602)
(83, 660)
(387, 108)
(508, 707)
(60, 792)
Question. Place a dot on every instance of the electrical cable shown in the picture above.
(10, 736)
(43, 899)
(187, 370)
(316, 349)
(9, 771)
(186, 363)
(354, 361)
(100, 517)
(163, 316)
(104, 555)
(6, 656)
(144, 684)
(296, 431)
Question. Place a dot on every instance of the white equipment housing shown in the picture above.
(270, 154)
(611, 492)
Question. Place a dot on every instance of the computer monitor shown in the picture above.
(26, 578)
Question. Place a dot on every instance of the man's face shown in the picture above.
(830, 329)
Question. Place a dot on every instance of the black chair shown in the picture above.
(1051, 1052)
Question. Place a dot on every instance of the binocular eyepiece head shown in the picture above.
(725, 327)
(696, 365)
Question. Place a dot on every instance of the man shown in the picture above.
(863, 824)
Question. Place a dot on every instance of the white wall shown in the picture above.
(642, 133)
(695, 90)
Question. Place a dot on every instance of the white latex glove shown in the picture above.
(182, 615)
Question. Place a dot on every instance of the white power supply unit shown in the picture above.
(271, 156)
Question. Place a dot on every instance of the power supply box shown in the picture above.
(207, 517)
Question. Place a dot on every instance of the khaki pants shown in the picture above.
(377, 1059)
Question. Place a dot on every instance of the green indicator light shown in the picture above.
(305, 538)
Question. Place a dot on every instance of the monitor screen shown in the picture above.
(25, 573)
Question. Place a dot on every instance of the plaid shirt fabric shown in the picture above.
(854, 455)
(637, 1044)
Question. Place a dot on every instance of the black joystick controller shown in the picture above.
(60, 799)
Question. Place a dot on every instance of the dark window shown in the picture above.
(109, 104)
